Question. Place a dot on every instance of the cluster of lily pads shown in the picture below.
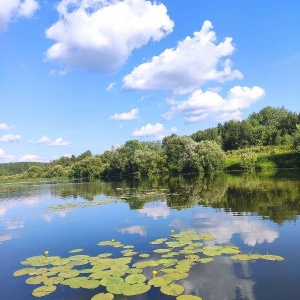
(131, 273)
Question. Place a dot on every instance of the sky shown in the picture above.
(78, 75)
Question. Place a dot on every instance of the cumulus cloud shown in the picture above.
(60, 142)
(110, 86)
(101, 34)
(4, 126)
(43, 140)
(10, 138)
(30, 158)
(201, 105)
(6, 157)
(196, 60)
(149, 130)
(156, 131)
(13, 9)
(133, 114)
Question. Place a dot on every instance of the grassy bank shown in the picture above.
(266, 157)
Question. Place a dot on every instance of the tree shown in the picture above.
(180, 153)
(89, 167)
(211, 156)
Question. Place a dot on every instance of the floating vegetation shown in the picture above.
(75, 250)
(70, 206)
(130, 273)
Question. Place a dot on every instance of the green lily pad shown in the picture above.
(172, 289)
(119, 288)
(137, 289)
(206, 260)
(74, 283)
(245, 257)
(162, 250)
(176, 276)
(103, 296)
(68, 273)
(104, 255)
(158, 241)
(272, 257)
(134, 271)
(159, 281)
(188, 297)
(111, 280)
(144, 255)
(76, 250)
(36, 279)
(23, 271)
(135, 278)
(43, 290)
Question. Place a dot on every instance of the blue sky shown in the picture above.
(79, 75)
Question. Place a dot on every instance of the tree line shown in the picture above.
(203, 152)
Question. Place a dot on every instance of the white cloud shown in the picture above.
(100, 35)
(201, 105)
(13, 9)
(30, 157)
(6, 157)
(196, 60)
(149, 130)
(4, 126)
(133, 114)
(10, 138)
(110, 86)
(60, 142)
(43, 140)
(155, 131)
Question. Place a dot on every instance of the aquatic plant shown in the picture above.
(131, 273)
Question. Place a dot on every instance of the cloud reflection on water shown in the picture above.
(14, 224)
(135, 229)
(223, 227)
(220, 280)
(155, 210)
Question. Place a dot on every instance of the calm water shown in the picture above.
(258, 213)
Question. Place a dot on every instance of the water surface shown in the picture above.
(258, 213)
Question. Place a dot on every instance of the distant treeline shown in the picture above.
(18, 167)
(205, 151)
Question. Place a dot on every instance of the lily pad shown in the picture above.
(272, 257)
(137, 289)
(103, 255)
(43, 290)
(135, 278)
(76, 250)
(111, 280)
(172, 289)
(23, 271)
(144, 255)
(159, 281)
(188, 297)
(119, 288)
(103, 296)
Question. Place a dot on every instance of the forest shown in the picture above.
(267, 139)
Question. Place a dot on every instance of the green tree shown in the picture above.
(89, 167)
(211, 156)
